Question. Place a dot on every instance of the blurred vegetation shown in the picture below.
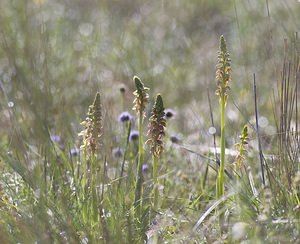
(55, 56)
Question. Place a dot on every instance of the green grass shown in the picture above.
(109, 186)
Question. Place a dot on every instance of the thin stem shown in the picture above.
(139, 176)
(222, 156)
(155, 183)
(84, 176)
(125, 152)
(93, 190)
(220, 180)
(257, 132)
(213, 125)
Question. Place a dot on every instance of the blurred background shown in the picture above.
(55, 55)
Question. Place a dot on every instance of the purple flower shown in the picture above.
(117, 152)
(56, 139)
(174, 139)
(169, 113)
(122, 89)
(145, 168)
(134, 135)
(124, 117)
(74, 152)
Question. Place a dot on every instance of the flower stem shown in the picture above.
(139, 176)
(220, 190)
(155, 183)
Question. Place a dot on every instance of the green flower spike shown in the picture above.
(156, 127)
(223, 76)
(92, 126)
(141, 96)
(223, 72)
(140, 101)
(156, 133)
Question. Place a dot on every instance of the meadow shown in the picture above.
(149, 121)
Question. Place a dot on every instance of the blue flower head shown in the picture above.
(124, 117)
(134, 135)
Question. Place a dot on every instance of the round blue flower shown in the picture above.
(134, 135)
(74, 152)
(169, 113)
(124, 117)
(117, 152)
(145, 168)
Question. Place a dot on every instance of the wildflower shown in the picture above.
(223, 76)
(140, 101)
(117, 152)
(156, 133)
(92, 126)
(74, 152)
(145, 168)
(57, 139)
(124, 117)
(169, 113)
(223, 72)
(242, 147)
(174, 139)
(156, 127)
(141, 97)
(134, 135)
(122, 89)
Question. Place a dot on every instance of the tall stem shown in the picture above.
(139, 176)
(222, 156)
(220, 180)
(155, 183)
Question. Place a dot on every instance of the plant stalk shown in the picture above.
(155, 183)
(222, 155)
(139, 176)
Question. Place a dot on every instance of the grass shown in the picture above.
(63, 63)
